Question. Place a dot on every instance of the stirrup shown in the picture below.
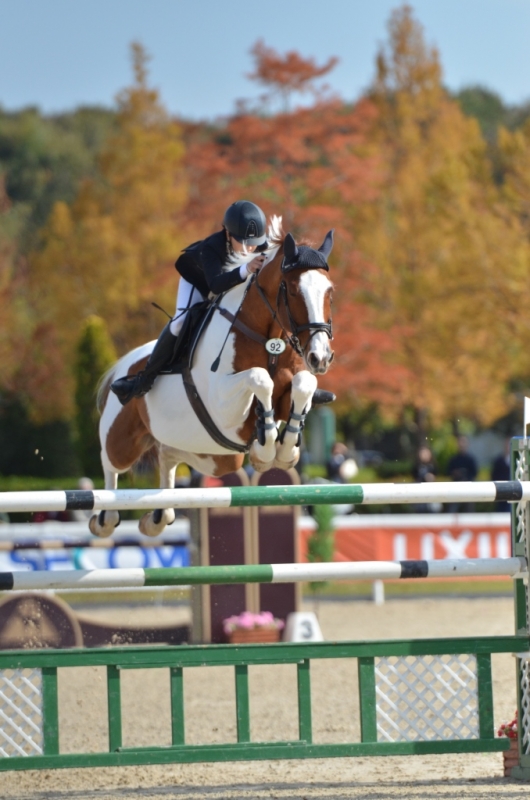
(131, 386)
(321, 397)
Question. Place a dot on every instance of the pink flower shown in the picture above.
(247, 620)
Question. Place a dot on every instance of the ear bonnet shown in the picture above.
(304, 257)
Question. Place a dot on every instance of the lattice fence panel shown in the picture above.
(20, 712)
(521, 474)
(424, 698)
(524, 674)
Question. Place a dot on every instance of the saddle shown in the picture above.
(197, 320)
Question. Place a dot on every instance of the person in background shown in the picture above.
(424, 471)
(340, 467)
(500, 471)
(462, 467)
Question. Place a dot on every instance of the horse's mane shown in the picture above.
(275, 232)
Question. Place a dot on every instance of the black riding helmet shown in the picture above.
(246, 223)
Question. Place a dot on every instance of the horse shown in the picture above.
(274, 334)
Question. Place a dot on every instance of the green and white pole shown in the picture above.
(225, 497)
(262, 573)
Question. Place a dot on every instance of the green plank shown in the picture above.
(114, 707)
(485, 696)
(50, 712)
(304, 701)
(136, 657)
(367, 699)
(242, 703)
(521, 621)
(177, 705)
(250, 751)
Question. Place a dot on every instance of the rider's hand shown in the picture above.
(256, 264)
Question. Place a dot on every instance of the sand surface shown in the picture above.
(210, 717)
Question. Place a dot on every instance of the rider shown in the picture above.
(213, 265)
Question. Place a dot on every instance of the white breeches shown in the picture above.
(187, 296)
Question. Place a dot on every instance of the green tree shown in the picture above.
(95, 354)
(321, 543)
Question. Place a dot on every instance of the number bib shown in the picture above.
(275, 346)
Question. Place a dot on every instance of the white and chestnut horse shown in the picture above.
(277, 329)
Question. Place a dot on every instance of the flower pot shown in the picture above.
(510, 757)
(253, 635)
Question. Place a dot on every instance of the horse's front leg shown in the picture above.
(288, 449)
(263, 449)
(153, 522)
(232, 398)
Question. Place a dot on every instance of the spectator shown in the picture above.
(462, 467)
(424, 471)
(500, 471)
(340, 467)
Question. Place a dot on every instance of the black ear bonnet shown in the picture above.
(304, 257)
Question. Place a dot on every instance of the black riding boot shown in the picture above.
(322, 398)
(137, 385)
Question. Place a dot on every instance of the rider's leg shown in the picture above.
(137, 385)
(187, 296)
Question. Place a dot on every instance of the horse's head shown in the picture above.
(304, 301)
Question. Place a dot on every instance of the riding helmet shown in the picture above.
(246, 222)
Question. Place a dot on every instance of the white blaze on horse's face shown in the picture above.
(314, 286)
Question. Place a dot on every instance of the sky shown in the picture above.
(59, 54)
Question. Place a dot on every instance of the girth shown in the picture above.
(204, 417)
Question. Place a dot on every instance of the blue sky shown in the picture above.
(58, 54)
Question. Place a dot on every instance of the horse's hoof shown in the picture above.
(293, 460)
(154, 522)
(261, 466)
(102, 527)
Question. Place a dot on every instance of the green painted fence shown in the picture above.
(472, 702)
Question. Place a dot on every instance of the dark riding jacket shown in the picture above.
(208, 267)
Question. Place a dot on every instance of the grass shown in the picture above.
(450, 587)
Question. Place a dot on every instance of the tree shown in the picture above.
(285, 75)
(111, 252)
(316, 166)
(95, 355)
(438, 246)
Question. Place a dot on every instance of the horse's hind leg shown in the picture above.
(154, 522)
(106, 522)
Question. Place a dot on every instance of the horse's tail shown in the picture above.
(103, 387)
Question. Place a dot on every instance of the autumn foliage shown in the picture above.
(432, 254)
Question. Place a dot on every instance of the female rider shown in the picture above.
(214, 265)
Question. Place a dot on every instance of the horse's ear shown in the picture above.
(327, 245)
(290, 250)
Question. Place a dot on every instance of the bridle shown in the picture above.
(292, 338)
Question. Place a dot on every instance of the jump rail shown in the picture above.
(263, 573)
(223, 497)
